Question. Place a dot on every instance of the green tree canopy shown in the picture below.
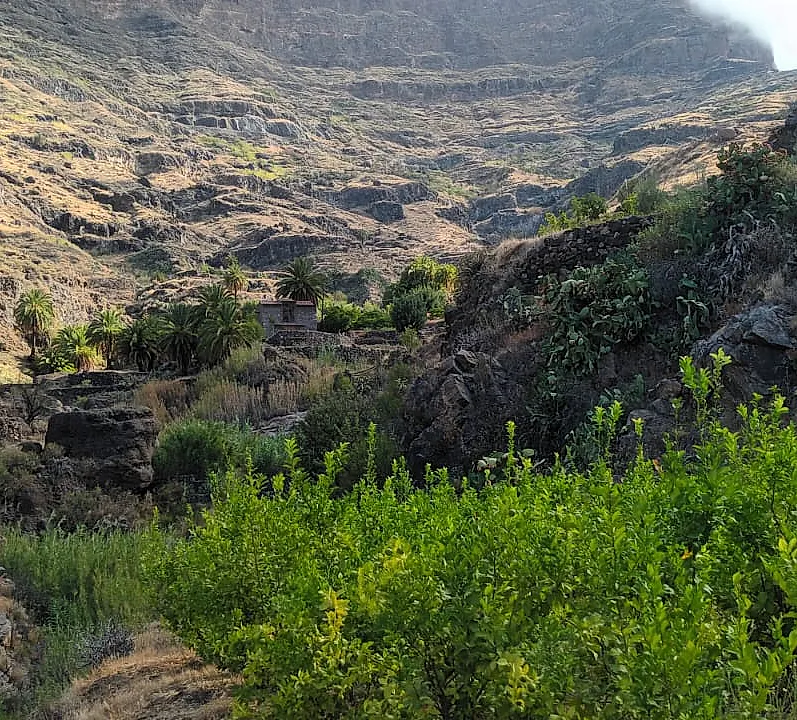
(211, 297)
(34, 314)
(73, 345)
(301, 281)
(180, 334)
(140, 342)
(235, 280)
(104, 330)
(225, 329)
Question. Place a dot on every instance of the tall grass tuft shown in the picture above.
(75, 586)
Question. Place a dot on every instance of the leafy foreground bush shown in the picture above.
(84, 589)
(663, 591)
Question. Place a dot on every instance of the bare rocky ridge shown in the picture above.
(462, 34)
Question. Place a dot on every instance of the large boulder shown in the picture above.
(760, 343)
(112, 448)
(785, 138)
(457, 412)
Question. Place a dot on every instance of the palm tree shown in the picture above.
(301, 281)
(34, 316)
(139, 342)
(224, 330)
(104, 331)
(72, 343)
(179, 339)
(234, 277)
(211, 297)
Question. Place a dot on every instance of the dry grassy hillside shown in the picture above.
(139, 140)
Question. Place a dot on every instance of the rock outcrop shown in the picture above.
(465, 34)
(454, 412)
(109, 448)
(762, 346)
(18, 640)
(785, 138)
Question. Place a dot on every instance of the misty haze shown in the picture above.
(774, 21)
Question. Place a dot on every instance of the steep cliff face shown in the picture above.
(642, 35)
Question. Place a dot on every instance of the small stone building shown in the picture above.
(278, 315)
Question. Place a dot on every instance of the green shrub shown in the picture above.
(372, 317)
(339, 317)
(22, 492)
(200, 448)
(583, 210)
(433, 298)
(345, 415)
(641, 196)
(591, 311)
(664, 590)
(756, 186)
(409, 311)
(589, 207)
(424, 272)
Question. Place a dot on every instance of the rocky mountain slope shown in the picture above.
(143, 139)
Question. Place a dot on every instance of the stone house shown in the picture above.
(284, 314)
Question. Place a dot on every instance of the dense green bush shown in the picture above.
(343, 316)
(423, 272)
(409, 311)
(339, 317)
(346, 415)
(663, 590)
(641, 196)
(587, 313)
(372, 317)
(583, 210)
(199, 448)
(423, 290)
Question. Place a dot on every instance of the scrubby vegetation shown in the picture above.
(710, 251)
(84, 591)
(662, 589)
(340, 316)
(592, 585)
(422, 291)
(201, 448)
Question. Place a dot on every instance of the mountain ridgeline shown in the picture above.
(460, 34)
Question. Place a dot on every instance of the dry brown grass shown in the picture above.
(161, 680)
(232, 402)
(168, 399)
(284, 397)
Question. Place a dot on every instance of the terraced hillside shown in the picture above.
(141, 140)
